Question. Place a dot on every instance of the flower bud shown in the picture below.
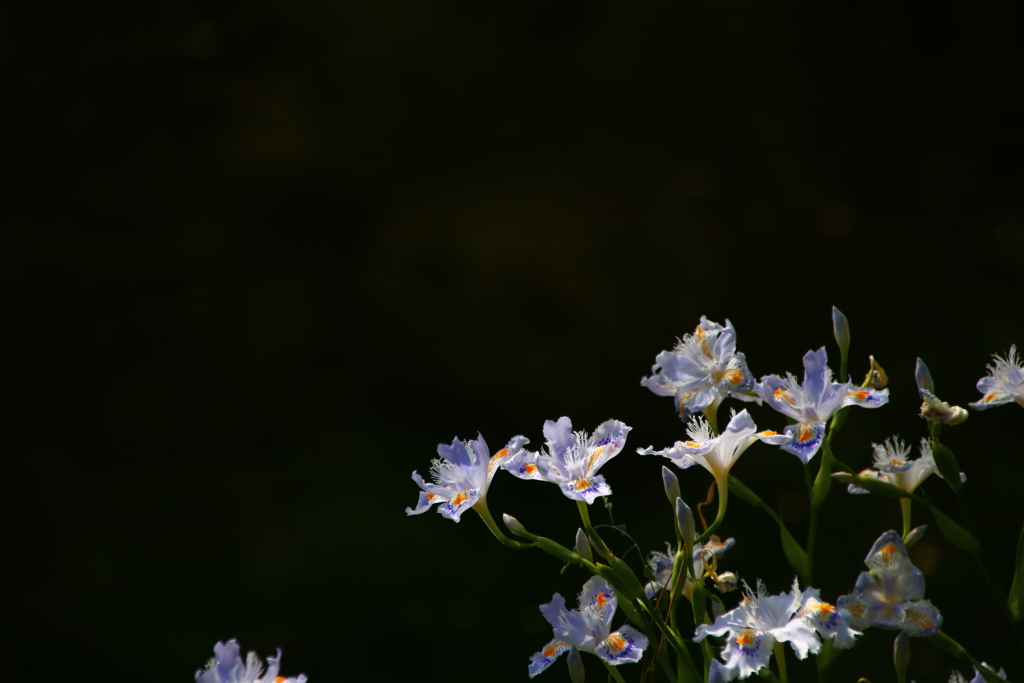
(576, 670)
(841, 330)
(901, 654)
(514, 526)
(671, 481)
(914, 536)
(924, 377)
(583, 546)
(684, 518)
(939, 411)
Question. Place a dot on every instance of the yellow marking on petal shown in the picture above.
(530, 469)
(693, 444)
(595, 455)
(616, 643)
(581, 483)
(990, 397)
(805, 431)
(825, 609)
(745, 638)
(734, 376)
(916, 618)
(896, 463)
(459, 499)
(857, 610)
(767, 432)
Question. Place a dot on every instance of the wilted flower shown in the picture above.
(892, 466)
(814, 402)
(702, 369)
(890, 595)
(661, 565)
(1005, 382)
(588, 629)
(227, 667)
(717, 454)
(761, 620)
(462, 475)
(572, 459)
(931, 407)
(957, 677)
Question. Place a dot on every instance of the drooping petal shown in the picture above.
(546, 657)
(625, 645)
(920, 619)
(607, 442)
(805, 439)
(463, 500)
(747, 651)
(865, 398)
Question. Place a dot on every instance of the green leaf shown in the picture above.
(795, 554)
(822, 484)
(954, 532)
(1017, 588)
(880, 488)
(947, 465)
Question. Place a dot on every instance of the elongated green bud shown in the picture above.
(901, 655)
(583, 546)
(671, 481)
(914, 536)
(576, 670)
(516, 528)
(841, 330)
(924, 377)
(684, 518)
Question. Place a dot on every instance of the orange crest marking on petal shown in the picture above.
(595, 455)
(783, 395)
(616, 643)
(734, 376)
(745, 638)
(551, 649)
(581, 483)
(280, 679)
(767, 432)
(459, 499)
(601, 600)
(859, 395)
(494, 460)
(990, 397)
(857, 610)
(693, 444)
(431, 496)
(888, 552)
(805, 431)
(916, 618)
(825, 609)
(530, 469)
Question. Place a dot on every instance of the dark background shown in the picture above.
(260, 258)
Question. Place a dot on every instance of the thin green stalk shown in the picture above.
(723, 502)
(599, 545)
(485, 514)
(780, 658)
(613, 671)
(711, 415)
(905, 509)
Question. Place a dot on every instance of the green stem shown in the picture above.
(780, 657)
(613, 671)
(485, 514)
(722, 484)
(595, 539)
(905, 509)
(711, 415)
(944, 642)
